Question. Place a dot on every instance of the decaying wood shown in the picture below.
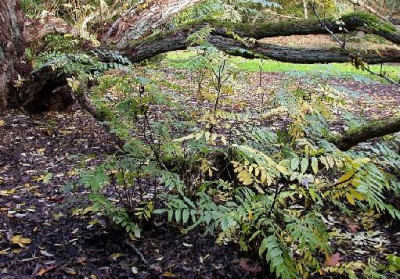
(223, 40)
(141, 20)
(36, 29)
(369, 131)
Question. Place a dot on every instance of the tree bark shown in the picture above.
(352, 22)
(368, 8)
(367, 132)
(13, 65)
(305, 9)
(36, 29)
(141, 20)
(223, 40)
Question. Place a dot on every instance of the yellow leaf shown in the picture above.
(250, 215)
(199, 135)
(263, 177)
(115, 256)
(346, 176)
(4, 252)
(251, 168)
(238, 169)
(350, 199)
(363, 161)
(357, 195)
(169, 274)
(331, 161)
(2, 122)
(247, 182)
(7, 192)
(207, 135)
(282, 169)
(314, 165)
(69, 271)
(20, 241)
(40, 151)
(223, 140)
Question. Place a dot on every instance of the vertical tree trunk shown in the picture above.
(13, 65)
(305, 8)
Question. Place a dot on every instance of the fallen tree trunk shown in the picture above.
(358, 21)
(222, 39)
(369, 131)
(132, 26)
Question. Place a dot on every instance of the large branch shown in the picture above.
(357, 21)
(223, 40)
(369, 131)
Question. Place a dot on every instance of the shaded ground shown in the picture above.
(40, 156)
(67, 240)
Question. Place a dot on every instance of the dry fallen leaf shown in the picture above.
(169, 274)
(20, 241)
(333, 260)
(115, 256)
(81, 260)
(69, 271)
(353, 227)
(4, 252)
(43, 271)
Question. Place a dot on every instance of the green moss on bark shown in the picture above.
(371, 21)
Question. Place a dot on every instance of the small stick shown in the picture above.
(131, 245)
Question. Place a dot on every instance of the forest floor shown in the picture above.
(49, 231)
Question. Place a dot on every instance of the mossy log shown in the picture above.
(357, 21)
(223, 40)
(369, 131)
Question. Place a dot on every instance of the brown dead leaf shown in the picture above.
(43, 271)
(333, 260)
(353, 227)
(81, 260)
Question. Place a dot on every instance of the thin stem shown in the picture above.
(353, 56)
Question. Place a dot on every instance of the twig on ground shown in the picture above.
(131, 245)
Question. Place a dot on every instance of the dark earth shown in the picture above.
(41, 157)
(67, 242)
